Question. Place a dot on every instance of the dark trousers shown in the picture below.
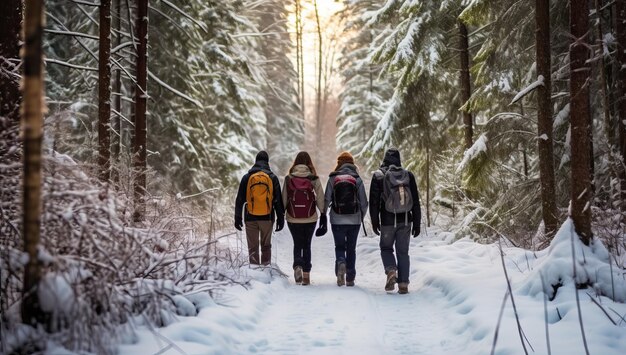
(302, 233)
(399, 235)
(345, 247)
(259, 234)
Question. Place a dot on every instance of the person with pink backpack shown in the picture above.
(302, 193)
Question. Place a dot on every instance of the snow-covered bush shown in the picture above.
(101, 275)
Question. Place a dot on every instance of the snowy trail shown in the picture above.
(324, 318)
(453, 306)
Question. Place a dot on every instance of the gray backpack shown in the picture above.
(396, 190)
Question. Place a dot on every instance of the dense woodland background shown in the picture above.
(511, 113)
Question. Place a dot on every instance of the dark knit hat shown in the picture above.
(344, 158)
(262, 156)
(392, 157)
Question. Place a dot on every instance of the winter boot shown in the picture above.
(297, 274)
(392, 277)
(306, 278)
(341, 274)
(403, 288)
(350, 283)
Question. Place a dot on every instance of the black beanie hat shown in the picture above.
(392, 157)
(262, 156)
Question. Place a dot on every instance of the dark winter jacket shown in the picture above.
(277, 201)
(346, 219)
(378, 213)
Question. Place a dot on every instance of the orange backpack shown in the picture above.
(259, 194)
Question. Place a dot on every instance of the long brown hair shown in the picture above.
(303, 158)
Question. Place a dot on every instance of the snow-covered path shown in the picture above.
(325, 318)
(456, 293)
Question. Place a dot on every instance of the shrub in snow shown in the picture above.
(100, 274)
(592, 263)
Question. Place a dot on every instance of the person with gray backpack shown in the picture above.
(395, 212)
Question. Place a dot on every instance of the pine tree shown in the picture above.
(104, 91)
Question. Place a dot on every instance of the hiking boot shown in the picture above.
(341, 274)
(306, 279)
(350, 283)
(403, 288)
(392, 277)
(297, 274)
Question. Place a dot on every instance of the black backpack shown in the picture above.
(345, 199)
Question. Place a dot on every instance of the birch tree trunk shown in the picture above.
(466, 89)
(544, 118)
(318, 102)
(32, 125)
(104, 92)
(579, 119)
(141, 96)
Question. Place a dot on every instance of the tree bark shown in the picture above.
(620, 29)
(104, 92)
(318, 103)
(116, 140)
(579, 119)
(32, 126)
(544, 119)
(141, 96)
(466, 89)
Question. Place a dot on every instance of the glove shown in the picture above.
(376, 227)
(323, 228)
(238, 223)
(416, 230)
(280, 222)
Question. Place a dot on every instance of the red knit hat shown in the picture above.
(344, 158)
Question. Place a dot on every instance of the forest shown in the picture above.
(127, 125)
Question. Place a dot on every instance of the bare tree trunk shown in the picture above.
(579, 120)
(32, 124)
(298, 46)
(116, 142)
(104, 92)
(318, 110)
(428, 184)
(544, 119)
(141, 96)
(606, 109)
(466, 89)
(620, 29)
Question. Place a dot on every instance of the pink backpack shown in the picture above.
(300, 197)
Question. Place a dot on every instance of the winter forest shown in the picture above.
(126, 127)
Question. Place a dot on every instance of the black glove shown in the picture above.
(416, 230)
(376, 227)
(323, 228)
(238, 223)
(280, 222)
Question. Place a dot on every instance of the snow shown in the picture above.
(479, 146)
(528, 89)
(453, 306)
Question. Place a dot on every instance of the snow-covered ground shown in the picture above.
(456, 294)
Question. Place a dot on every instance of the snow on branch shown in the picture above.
(528, 89)
(480, 146)
(174, 91)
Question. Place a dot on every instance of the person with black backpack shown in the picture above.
(302, 193)
(259, 192)
(395, 213)
(345, 195)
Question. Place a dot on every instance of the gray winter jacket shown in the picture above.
(346, 219)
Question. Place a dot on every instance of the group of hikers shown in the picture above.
(393, 206)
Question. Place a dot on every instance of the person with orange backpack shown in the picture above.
(302, 192)
(259, 191)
